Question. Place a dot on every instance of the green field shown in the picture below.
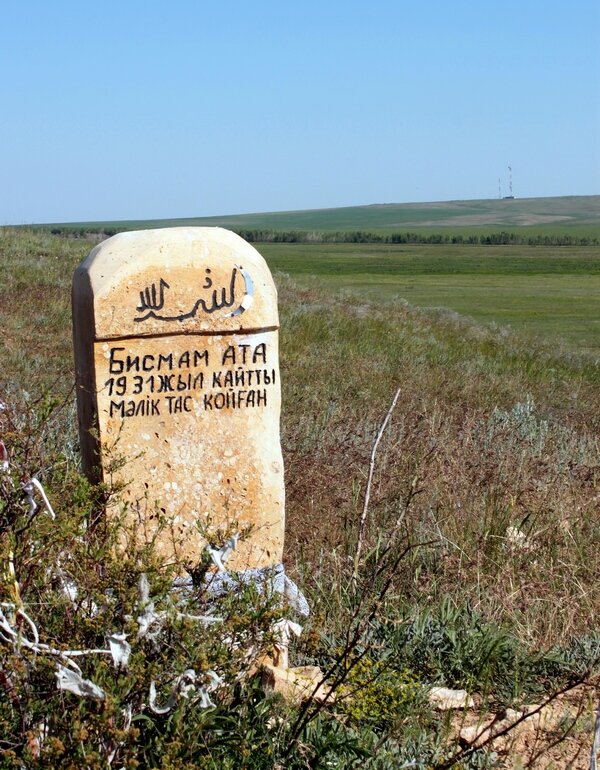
(547, 291)
(572, 214)
(551, 291)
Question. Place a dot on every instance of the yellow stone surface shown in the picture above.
(297, 684)
(176, 351)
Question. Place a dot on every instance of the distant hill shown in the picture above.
(387, 217)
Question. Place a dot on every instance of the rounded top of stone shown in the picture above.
(175, 280)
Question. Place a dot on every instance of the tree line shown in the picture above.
(502, 238)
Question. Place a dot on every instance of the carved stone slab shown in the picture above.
(176, 356)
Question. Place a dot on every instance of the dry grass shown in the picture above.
(500, 440)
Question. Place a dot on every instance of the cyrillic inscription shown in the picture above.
(145, 385)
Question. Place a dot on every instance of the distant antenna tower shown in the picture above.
(510, 195)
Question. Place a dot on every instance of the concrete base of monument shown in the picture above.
(295, 684)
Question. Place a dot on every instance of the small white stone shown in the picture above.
(445, 699)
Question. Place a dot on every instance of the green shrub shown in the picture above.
(377, 694)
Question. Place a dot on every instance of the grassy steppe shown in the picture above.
(549, 291)
(483, 526)
(576, 214)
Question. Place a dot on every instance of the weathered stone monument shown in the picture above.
(176, 351)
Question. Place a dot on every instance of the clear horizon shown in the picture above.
(293, 211)
(148, 111)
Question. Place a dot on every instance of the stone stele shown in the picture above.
(176, 355)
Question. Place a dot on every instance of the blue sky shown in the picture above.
(135, 110)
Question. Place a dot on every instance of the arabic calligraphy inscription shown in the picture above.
(152, 299)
